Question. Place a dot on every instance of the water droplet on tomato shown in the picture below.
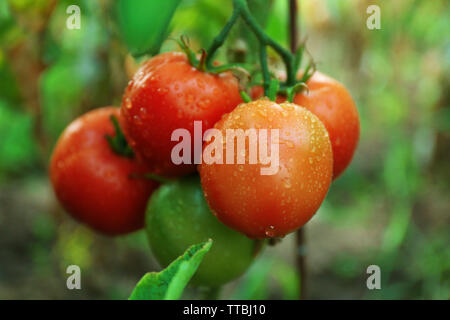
(270, 231)
(128, 103)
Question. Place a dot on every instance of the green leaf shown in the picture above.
(170, 282)
(144, 23)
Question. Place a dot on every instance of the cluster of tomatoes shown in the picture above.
(103, 183)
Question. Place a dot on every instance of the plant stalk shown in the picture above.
(300, 252)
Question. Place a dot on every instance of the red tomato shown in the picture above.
(166, 94)
(264, 206)
(332, 103)
(95, 185)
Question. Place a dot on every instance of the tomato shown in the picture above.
(94, 184)
(331, 102)
(265, 206)
(178, 217)
(166, 94)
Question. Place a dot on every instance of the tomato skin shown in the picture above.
(331, 102)
(167, 93)
(265, 206)
(178, 217)
(93, 183)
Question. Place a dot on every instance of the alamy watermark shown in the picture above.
(374, 20)
(258, 146)
(74, 20)
(374, 280)
(74, 280)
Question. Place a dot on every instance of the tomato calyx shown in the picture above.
(118, 143)
(203, 64)
(183, 43)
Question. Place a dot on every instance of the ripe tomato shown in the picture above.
(263, 206)
(94, 184)
(178, 217)
(332, 103)
(167, 93)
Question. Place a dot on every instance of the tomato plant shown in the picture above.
(93, 183)
(168, 93)
(263, 206)
(178, 217)
(271, 186)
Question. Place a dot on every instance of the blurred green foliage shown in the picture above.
(390, 208)
(144, 24)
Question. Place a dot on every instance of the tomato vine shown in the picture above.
(292, 61)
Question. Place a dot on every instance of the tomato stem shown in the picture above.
(273, 89)
(292, 60)
(118, 143)
(184, 45)
(265, 40)
(220, 38)
(202, 63)
(264, 68)
(300, 253)
(245, 97)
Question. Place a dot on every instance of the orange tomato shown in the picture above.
(265, 206)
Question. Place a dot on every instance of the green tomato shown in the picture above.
(178, 217)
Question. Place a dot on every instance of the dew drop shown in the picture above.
(128, 103)
(262, 113)
(270, 231)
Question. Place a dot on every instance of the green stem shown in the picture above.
(291, 60)
(228, 67)
(245, 97)
(273, 89)
(118, 142)
(220, 38)
(264, 68)
(265, 40)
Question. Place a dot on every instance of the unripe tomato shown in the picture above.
(331, 102)
(264, 206)
(178, 217)
(166, 94)
(94, 184)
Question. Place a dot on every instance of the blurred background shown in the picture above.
(390, 208)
